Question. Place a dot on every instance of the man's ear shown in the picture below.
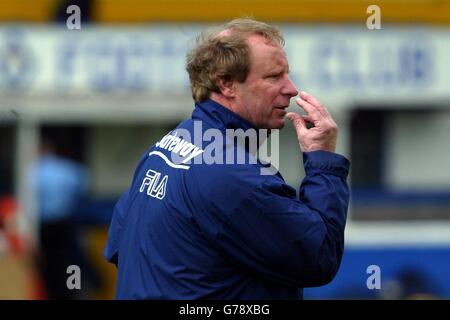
(226, 86)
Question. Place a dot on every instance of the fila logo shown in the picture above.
(153, 186)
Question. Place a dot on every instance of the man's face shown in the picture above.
(265, 94)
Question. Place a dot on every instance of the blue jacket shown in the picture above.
(224, 231)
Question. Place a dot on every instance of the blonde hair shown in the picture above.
(223, 52)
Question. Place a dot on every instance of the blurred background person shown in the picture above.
(59, 185)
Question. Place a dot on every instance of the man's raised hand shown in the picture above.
(323, 134)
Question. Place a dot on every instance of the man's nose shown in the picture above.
(290, 88)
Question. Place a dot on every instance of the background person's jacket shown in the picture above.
(225, 231)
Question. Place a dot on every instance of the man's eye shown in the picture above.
(274, 76)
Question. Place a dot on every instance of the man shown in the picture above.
(189, 230)
(59, 185)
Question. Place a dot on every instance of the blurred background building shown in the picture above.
(104, 93)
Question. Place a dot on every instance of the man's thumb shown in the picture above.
(296, 119)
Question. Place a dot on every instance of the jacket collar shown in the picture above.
(219, 116)
(222, 118)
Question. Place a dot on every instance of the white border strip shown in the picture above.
(397, 233)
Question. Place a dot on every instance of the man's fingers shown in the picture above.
(314, 102)
(297, 120)
(307, 119)
(307, 97)
(313, 112)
